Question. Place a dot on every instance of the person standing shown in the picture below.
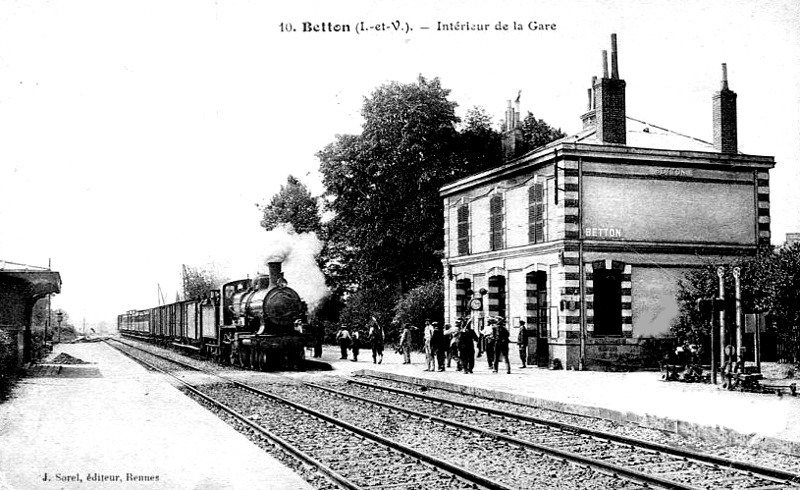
(405, 343)
(522, 343)
(466, 347)
(451, 336)
(355, 341)
(430, 363)
(501, 345)
(439, 344)
(489, 341)
(376, 341)
(343, 338)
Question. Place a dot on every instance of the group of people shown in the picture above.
(350, 340)
(445, 343)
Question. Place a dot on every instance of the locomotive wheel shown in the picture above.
(262, 361)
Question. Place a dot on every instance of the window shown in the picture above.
(536, 296)
(463, 229)
(607, 302)
(497, 296)
(536, 214)
(462, 297)
(496, 223)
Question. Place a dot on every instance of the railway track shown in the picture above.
(621, 454)
(351, 457)
(533, 453)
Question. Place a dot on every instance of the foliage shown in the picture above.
(770, 283)
(383, 185)
(536, 133)
(785, 297)
(382, 188)
(480, 145)
(294, 205)
(364, 304)
(425, 301)
(200, 281)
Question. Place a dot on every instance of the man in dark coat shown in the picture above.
(501, 345)
(376, 341)
(355, 344)
(466, 347)
(489, 340)
(439, 344)
(522, 343)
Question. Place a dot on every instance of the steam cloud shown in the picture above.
(298, 252)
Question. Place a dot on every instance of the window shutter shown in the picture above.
(463, 229)
(496, 222)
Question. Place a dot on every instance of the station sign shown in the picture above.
(602, 233)
(672, 172)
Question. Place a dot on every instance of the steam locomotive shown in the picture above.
(254, 323)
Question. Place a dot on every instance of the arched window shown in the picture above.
(462, 298)
(536, 302)
(607, 285)
(497, 296)
(496, 223)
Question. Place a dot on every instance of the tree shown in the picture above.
(537, 133)
(200, 281)
(294, 205)
(383, 185)
(785, 297)
(480, 146)
(425, 301)
(764, 281)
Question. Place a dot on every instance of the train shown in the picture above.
(253, 323)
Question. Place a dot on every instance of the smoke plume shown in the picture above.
(299, 253)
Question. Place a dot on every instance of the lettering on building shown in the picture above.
(672, 172)
(597, 232)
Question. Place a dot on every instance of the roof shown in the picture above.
(641, 134)
(644, 141)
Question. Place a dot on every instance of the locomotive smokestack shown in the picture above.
(274, 273)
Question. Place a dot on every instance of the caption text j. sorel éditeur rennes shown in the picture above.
(363, 27)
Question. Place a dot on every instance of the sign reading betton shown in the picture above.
(604, 233)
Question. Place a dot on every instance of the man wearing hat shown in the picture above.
(405, 343)
(489, 339)
(522, 343)
(501, 344)
(343, 338)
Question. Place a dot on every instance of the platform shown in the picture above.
(701, 410)
(113, 424)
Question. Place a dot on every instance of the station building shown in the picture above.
(21, 286)
(586, 238)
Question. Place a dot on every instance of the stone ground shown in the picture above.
(114, 418)
(638, 396)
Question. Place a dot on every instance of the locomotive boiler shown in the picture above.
(259, 321)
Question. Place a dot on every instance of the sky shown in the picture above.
(139, 136)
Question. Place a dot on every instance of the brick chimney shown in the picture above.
(724, 108)
(609, 101)
(512, 132)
